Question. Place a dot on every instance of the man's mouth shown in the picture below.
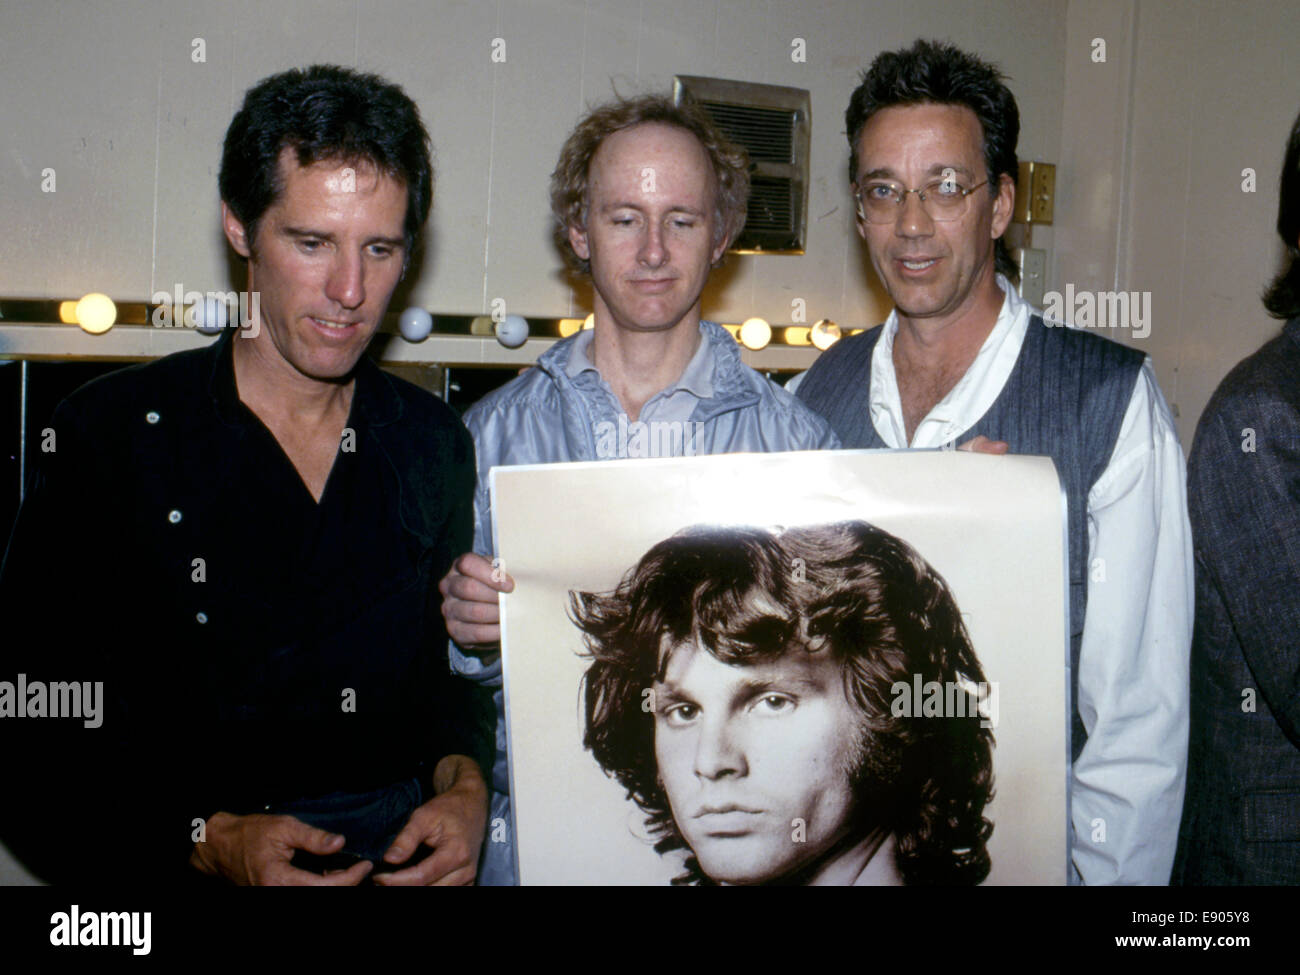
(328, 323)
(725, 810)
(721, 822)
(919, 264)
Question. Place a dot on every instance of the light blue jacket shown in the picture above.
(545, 417)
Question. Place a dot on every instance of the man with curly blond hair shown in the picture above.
(647, 197)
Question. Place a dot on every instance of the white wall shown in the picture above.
(1150, 176)
(111, 99)
(1149, 145)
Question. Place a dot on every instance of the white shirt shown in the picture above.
(1133, 665)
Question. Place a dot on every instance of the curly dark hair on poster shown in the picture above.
(750, 595)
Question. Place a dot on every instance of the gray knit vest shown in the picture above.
(1065, 399)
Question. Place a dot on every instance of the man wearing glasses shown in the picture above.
(932, 138)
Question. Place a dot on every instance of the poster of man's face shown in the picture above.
(774, 692)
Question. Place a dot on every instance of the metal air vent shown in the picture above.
(773, 124)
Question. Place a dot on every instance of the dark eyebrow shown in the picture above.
(757, 686)
(878, 174)
(319, 235)
(937, 170)
(669, 693)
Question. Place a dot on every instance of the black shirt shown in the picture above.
(256, 646)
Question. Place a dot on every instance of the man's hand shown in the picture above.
(983, 445)
(469, 602)
(452, 822)
(256, 850)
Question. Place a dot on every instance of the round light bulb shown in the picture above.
(415, 324)
(755, 333)
(825, 334)
(512, 331)
(209, 315)
(96, 313)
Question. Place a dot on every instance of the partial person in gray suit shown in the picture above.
(1241, 822)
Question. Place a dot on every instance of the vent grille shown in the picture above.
(767, 134)
(771, 205)
(773, 124)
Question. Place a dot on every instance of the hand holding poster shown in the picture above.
(832, 667)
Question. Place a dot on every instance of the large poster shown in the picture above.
(832, 667)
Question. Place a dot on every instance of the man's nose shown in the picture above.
(654, 246)
(346, 284)
(913, 220)
(718, 751)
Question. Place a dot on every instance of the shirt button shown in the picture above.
(174, 516)
(152, 416)
(201, 617)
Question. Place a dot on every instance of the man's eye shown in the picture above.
(308, 244)
(945, 187)
(775, 704)
(684, 224)
(880, 191)
(681, 714)
(381, 251)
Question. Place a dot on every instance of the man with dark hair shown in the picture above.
(259, 561)
(647, 196)
(1241, 823)
(772, 749)
(932, 137)
(325, 113)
